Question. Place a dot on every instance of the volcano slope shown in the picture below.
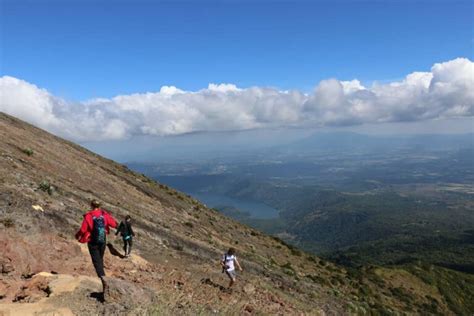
(46, 184)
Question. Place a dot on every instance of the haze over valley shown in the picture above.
(348, 196)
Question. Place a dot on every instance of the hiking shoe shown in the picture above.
(105, 288)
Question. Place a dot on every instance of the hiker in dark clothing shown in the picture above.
(93, 231)
(126, 231)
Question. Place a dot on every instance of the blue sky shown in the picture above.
(79, 50)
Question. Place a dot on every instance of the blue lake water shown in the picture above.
(256, 209)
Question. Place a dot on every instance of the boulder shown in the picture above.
(33, 290)
(127, 294)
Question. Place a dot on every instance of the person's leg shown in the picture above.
(104, 283)
(102, 252)
(97, 254)
(130, 243)
(124, 246)
(231, 275)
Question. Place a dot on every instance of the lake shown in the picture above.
(257, 210)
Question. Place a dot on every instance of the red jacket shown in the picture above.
(84, 234)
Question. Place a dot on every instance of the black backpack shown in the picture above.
(225, 262)
(98, 230)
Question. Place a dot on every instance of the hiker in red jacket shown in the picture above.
(94, 229)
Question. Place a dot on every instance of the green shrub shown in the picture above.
(365, 290)
(178, 247)
(288, 269)
(317, 279)
(401, 294)
(334, 281)
(46, 187)
(288, 266)
(296, 252)
(430, 308)
(377, 280)
(339, 279)
(28, 151)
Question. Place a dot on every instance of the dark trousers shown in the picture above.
(127, 245)
(97, 255)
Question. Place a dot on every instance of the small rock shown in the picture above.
(178, 284)
(321, 312)
(249, 289)
(249, 309)
(274, 306)
(6, 267)
(38, 208)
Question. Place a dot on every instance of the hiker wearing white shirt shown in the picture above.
(228, 262)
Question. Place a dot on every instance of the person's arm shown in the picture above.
(83, 230)
(223, 262)
(111, 221)
(237, 264)
(119, 229)
(131, 230)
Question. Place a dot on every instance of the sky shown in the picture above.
(80, 50)
(114, 70)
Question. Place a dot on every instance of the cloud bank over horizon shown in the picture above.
(446, 91)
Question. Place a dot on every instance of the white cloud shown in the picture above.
(446, 91)
(352, 86)
(27, 101)
(170, 90)
(223, 87)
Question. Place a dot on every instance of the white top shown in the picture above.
(229, 262)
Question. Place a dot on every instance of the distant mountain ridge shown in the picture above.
(349, 140)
